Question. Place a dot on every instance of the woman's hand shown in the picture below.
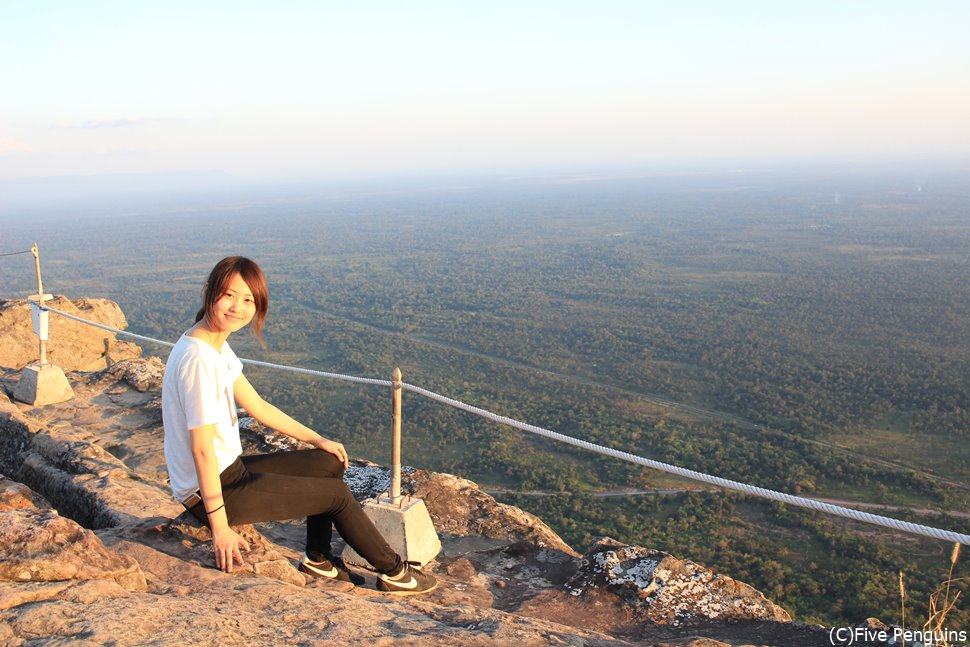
(226, 544)
(335, 448)
(273, 418)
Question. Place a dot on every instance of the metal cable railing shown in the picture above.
(26, 251)
(812, 504)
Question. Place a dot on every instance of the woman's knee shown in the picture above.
(329, 463)
(341, 495)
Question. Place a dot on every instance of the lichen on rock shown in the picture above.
(667, 590)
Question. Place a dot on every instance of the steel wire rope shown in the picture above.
(253, 362)
(28, 251)
(812, 504)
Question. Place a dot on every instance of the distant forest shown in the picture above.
(804, 332)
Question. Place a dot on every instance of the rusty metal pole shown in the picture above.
(40, 303)
(396, 436)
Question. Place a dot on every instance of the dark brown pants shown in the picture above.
(304, 483)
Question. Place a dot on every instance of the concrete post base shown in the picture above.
(407, 528)
(40, 385)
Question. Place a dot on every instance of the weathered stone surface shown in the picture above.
(188, 603)
(458, 506)
(258, 439)
(16, 432)
(89, 484)
(188, 540)
(16, 594)
(111, 414)
(515, 573)
(62, 451)
(367, 480)
(41, 546)
(73, 346)
(17, 496)
(143, 374)
(85, 591)
(233, 611)
(666, 590)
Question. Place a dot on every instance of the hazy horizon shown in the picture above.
(25, 201)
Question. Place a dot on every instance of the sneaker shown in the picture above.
(410, 581)
(332, 568)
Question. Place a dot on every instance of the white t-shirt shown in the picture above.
(197, 390)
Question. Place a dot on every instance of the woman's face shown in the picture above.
(234, 308)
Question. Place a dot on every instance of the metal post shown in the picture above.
(396, 436)
(40, 302)
(407, 527)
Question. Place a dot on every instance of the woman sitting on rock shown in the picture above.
(203, 383)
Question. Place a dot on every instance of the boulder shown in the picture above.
(663, 589)
(17, 496)
(41, 546)
(73, 346)
(459, 507)
(144, 374)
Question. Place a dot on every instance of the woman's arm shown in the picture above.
(273, 418)
(225, 541)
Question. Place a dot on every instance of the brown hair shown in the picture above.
(219, 279)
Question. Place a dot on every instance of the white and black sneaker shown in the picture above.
(410, 581)
(330, 567)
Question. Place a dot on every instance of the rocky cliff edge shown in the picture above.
(93, 550)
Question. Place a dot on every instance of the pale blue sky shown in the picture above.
(287, 88)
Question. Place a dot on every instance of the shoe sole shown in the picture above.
(403, 592)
